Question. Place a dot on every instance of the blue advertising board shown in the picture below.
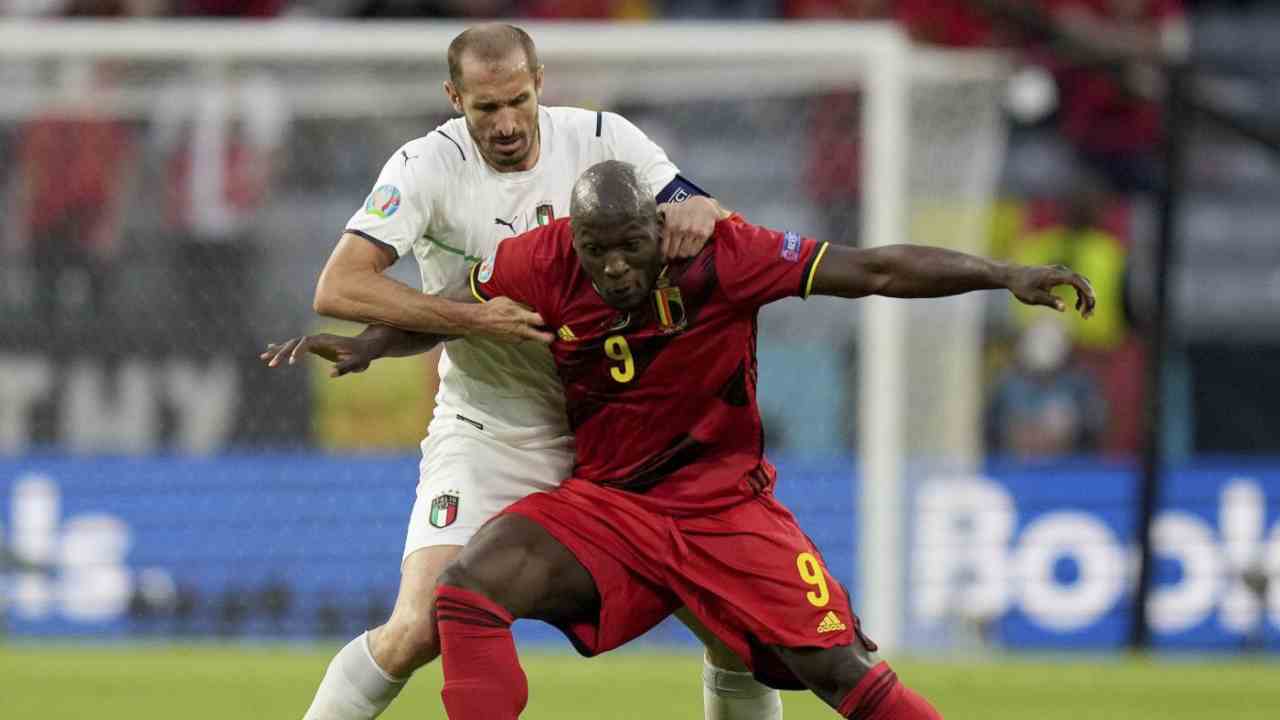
(307, 545)
(1046, 556)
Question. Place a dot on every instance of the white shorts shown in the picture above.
(467, 476)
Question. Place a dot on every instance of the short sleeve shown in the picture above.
(757, 265)
(396, 212)
(630, 144)
(517, 270)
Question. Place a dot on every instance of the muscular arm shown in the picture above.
(395, 342)
(352, 354)
(914, 271)
(352, 286)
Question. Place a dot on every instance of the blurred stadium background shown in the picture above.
(184, 533)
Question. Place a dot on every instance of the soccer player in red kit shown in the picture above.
(671, 501)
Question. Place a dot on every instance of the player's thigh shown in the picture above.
(718, 654)
(516, 563)
(831, 673)
(467, 477)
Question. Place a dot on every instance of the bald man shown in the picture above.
(679, 511)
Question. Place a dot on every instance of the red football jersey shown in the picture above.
(662, 399)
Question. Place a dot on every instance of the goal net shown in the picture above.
(172, 190)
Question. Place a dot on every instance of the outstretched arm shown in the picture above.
(915, 271)
(352, 354)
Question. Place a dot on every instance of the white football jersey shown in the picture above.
(439, 199)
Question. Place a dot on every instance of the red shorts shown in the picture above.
(748, 573)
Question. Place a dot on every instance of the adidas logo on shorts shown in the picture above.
(830, 623)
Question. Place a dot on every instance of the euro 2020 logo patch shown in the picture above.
(790, 247)
(383, 202)
(486, 270)
(444, 509)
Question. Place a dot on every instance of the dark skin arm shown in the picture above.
(353, 354)
(915, 271)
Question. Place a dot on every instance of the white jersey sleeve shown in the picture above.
(630, 144)
(397, 211)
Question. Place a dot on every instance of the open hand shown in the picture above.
(348, 354)
(1034, 285)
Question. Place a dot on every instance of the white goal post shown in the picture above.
(928, 172)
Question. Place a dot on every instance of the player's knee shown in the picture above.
(410, 640)
(416, 637)
(831, 673)
(720, 656)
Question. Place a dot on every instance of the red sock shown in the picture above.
(482, 676)
(879, 696)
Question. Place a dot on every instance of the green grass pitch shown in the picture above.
(211, 681)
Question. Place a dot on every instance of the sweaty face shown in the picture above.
(500, 103)
(622, 260)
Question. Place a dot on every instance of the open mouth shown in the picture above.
(509, 145)
(621, 296)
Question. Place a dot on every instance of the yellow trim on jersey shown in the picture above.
(813, 270)
(471, 282)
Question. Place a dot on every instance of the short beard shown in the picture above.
(509, 161)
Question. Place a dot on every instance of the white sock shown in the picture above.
(729, 695)
(354, 687)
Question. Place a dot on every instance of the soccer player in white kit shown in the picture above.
(499, 430)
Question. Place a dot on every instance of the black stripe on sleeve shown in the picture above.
(384, 245)
(599, 122)
(809, 267)
(455, 144)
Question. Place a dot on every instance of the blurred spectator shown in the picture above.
(1082, 241)
(32, 8)
(836, 9)
(833, 173)
(1042, 407)
(72, 173)
(389, 9)
(218, 138)
(711, 9)
(1117, 132)
(587, 9)
(953, 23)
(228, 8)
(1089, 234)
(83, 8)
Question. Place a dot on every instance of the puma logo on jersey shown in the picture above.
(830, 623)
(408, 157)
(510, 225)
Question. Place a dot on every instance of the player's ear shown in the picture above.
(455, 97)
(537, 81)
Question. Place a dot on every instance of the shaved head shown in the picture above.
(616, 227)
(611, 193)
(489, 43)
